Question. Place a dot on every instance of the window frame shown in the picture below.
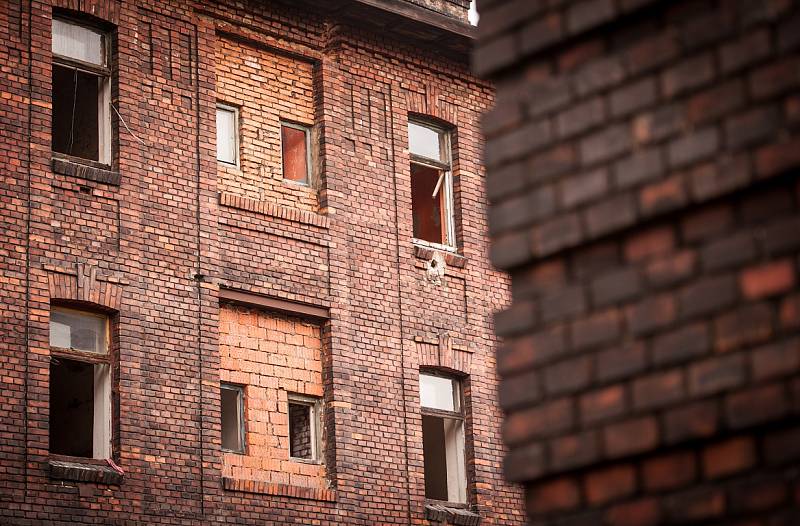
(95, 359)
(104, 72)
(306, 129)
(236, 140)
(240, 410)
(460, 417)
(315, 418)
(448, 208)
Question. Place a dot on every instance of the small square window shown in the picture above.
(228, 135)
(296, 152)
(304, 428)
(232, 416)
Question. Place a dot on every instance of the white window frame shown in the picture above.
(456, 460)
(236, 154)
(103, 370)
(240, 417)
(449, 228)
(315, 421)
(307, 131)
(104, 100)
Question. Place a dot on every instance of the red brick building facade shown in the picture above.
(191, 337)
(642, 175)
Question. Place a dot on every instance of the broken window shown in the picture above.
(431, 184)
(227, 134)
(443, 438)
(303, 427)
(296, 152)
(232, 416)
(81, 119)
(80, 384)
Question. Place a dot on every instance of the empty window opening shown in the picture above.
(80, 384)
(81, 120)
(443, 438)
(431, 185)
(228, 135)
(303, 428)
(296, 151)
(232, 409)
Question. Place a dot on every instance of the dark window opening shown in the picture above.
(294, 147)
(301, 437)
(75, 112)
(435, 455)
(427, 207)
(71, 407)
(232, 416)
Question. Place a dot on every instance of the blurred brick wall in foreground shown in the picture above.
(642, 165)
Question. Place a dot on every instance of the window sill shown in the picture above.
(426, 252)
(84, 169)
(83, 470)
(282, 490)
(451, 513)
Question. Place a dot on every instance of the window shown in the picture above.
(431, 184)
(80, 384)
(81, 124)
(304, 439)
(296, 152)
(232, 414)
(443, 438)
(228, 135)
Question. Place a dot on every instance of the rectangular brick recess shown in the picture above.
(667, 261)
(152, 238)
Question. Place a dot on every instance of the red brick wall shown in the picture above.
(157, 238)
(642, 175)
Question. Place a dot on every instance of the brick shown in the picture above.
(563, 303)
(616, 286)
(715, 102)
(573, 451)
(502, 17)
(745, 326)
(568, 376)
(689, 74)
(788, 35)
(649, 243)
(730, 251)
(556, 234)
(609, 215)
(596, 329)
(760, 493)
(519, 391)
(620, 362)
(671, 269)
(781, 236)
(594, 259)
(693, 147)
(599, 74)
(527, 351)
(633, 97)
(583, 188)
(790, 311)
(602, 404)
(505, 181)
(650, 314)
(766, 206)
(609, 484)
(752, 127)
(652, 52)
(706, 28)
(510, 250)
(642, 166)
(580, 54)
(663, 196)
(495, 55)
(548, 95)
(717, 374)
(729, 457)
(691, 421)
(543, 420)
(782, 446)
(580, 117)
(523, 210)
(605, 144)
(707, 295)
(541, 32)
(663, 122)
(642, 512)
(559, 494)
(745, 51)
(711, 180)
(756, 406)
(630, 437)
(767, 279)
(695, 505)
(586, 14)
(525, 463)
(538, 279)
(707, 222)
(517, 143)
(553, 162)
(777, 158)
(658, 390)
(670, 471)
(516, 319)
(775, 78)
(776, 359)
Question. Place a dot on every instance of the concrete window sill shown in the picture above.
(83, 169)
(83, 470)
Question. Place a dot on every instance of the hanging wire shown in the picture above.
(126, 125)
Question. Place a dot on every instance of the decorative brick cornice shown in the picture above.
(283, 490)
(273, 210)
(85, 286)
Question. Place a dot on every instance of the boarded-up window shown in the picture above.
(295, 141)
(431, 184)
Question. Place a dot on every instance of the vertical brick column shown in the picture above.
(642, 175)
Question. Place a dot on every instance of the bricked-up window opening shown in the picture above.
(431, 185)
(232, 416)
(81, 118)
(443, 438)
(227, 134)
(296, 152)
(80, 384)
(303, 428)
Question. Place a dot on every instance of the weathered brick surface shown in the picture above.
(160, 234)
(670, 263)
